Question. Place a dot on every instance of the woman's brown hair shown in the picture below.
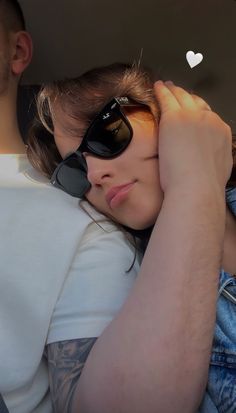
(80, 100)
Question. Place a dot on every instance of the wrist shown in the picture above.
(199, 199)
(198, 188)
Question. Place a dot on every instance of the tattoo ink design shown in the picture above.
(66, 360)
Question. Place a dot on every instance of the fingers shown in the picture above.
(183, 97)
(171, 97)
(165, 97)
(201, 103)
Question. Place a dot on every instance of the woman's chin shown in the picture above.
(144, 215)
(141, 223)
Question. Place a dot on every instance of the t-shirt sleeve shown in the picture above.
(97, 284)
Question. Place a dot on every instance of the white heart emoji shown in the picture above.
(193, 59)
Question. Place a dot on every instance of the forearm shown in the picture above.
(155, 354)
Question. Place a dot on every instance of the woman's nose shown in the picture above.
(99, 170)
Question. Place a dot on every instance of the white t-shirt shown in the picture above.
(62, 277)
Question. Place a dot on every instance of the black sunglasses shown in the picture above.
(107, 137)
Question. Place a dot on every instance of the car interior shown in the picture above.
(71, 37)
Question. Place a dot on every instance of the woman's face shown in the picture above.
(126, 188)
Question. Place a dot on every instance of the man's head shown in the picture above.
(15, 45)
(11, 15)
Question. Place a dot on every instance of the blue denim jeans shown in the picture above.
(221, 388)
(220, 396)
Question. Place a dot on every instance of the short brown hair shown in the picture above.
(11, 15)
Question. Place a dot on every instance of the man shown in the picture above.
(155, 353)
(50, 250)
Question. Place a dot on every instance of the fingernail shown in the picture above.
(169, 83)
(159, 82)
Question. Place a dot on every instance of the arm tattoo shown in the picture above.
(66, 360)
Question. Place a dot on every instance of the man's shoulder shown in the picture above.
(26, 194)
(23, 185)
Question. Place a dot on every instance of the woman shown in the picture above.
(106, 129)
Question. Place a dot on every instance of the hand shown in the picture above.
(195, 144)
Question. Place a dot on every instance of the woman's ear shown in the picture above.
(22, 50)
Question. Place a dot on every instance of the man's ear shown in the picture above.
(21, 52)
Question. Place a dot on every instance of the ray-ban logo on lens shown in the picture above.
(123, 99)
(107, 115)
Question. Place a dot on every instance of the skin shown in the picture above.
(101, 388)
(139, 164)
(66, 358)
(4, 61)
(15, 56)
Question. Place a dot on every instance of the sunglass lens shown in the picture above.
(109, 137)
(72, 176)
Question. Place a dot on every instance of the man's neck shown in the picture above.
(10, 137)
(14, 145)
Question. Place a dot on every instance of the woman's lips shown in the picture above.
(117, 194)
